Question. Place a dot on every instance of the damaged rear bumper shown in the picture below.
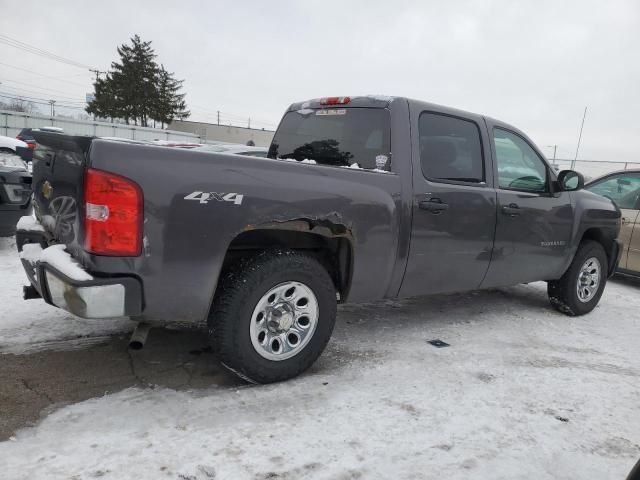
(72, 288)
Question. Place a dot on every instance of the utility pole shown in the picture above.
(218, 116)
(97, 72)
(249, 123)
(579, 138)
(555, 148)
(53, 108)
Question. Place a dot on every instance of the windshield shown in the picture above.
(340, 137)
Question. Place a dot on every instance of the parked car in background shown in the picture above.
(236, 150)
(15, 192)
(26, 134)
(9, 144)
(233, 148)
(623, 188)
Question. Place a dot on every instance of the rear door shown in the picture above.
(624, 189)
(534, 224)
(454, 206)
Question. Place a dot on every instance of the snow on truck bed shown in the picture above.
(523, 392)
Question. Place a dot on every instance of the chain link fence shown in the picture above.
(12, 122)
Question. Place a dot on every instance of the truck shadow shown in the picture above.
(37, 383)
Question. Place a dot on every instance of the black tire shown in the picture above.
(563, 293)
(6, 150)
(242, 287)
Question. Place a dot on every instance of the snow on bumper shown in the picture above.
(64, 283)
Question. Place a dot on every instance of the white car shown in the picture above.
(9, 144)
(233, 148)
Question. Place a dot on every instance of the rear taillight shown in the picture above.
(31, 145)
(335, 100)
(113, 214)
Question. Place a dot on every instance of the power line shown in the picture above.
(39, 88)
(38, 101)
(230, 116)
(59, 79)
(12, 42)
(30, 93)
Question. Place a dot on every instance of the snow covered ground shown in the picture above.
(34, 325)
(522, 392)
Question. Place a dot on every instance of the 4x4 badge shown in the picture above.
(204, 197)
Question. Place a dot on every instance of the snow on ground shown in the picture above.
(32, 325)
(523, 392)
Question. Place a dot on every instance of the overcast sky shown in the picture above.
(533, 64)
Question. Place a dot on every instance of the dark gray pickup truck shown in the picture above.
(361, 198)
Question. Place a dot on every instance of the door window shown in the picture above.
(519, 166)
(450, 149)
(623, 189)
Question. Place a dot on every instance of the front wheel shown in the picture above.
(273, 316)
(579, 290)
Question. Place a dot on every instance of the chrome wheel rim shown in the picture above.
(588, 279)
(284, 320)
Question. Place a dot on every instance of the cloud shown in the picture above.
(534, 64)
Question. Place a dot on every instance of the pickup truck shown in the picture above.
(360, 198)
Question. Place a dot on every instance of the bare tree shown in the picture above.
(19, 105)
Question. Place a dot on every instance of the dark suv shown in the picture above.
(15, 192)
(26, 134)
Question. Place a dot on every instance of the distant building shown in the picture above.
(224, 133)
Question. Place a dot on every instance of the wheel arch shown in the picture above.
(608, 242)
(330, 243)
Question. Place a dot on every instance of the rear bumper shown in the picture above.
(616, 254)
(65, 284)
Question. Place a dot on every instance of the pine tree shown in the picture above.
(170, 102)
(138, 90)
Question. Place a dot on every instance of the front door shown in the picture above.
(534, 224)
(633, 259)
(454, 209)
(624, 189)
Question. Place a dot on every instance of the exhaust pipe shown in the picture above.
(139, 336)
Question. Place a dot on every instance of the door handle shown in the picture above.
(512, 210)
(433, 205)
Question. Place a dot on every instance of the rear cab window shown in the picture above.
(355, 137)
(450, 149)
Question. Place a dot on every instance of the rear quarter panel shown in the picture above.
(185, 241)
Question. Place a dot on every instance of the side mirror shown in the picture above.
(570, 181)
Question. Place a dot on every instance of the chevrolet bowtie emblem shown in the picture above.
(47, 190)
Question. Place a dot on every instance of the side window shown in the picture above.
(450, 149)
(624, 189)
(519, 166)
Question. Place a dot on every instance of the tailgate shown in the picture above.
(58, 172)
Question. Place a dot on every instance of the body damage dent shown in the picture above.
(320, 225)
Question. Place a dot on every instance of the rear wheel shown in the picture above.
(579, 290)
(273, 316)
